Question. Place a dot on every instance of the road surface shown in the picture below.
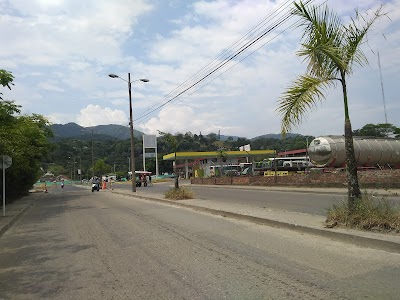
(311, 203)
(75, 244)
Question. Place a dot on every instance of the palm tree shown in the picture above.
(222, 155)
(331, 49)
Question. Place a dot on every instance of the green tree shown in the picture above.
(6, 79)
(25, 140)
(173, 144)
(330, 49)
(378, 130)
(101, 167)
(223, 156)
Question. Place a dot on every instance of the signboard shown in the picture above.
(149, 141)
(245, 148)
(6, 162)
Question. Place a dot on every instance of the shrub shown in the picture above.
(369, 214)
(179, 194)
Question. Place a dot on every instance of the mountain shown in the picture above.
(112, 131)
(119, 132)
(275, 136)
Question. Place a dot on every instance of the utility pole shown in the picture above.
(80, 167)
(129, 164)
(92, 156)
(73, 177)
(383, 92)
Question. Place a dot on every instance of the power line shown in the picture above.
(202, 75)
(224, 55)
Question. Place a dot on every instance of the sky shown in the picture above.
(62, 51)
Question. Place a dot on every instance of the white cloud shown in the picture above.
(94, 115)
(64, 31)
(62, 51)
(182, 119)
(50, 87)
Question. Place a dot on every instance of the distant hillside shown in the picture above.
(112, 131)
(119, 132)
(275, 136)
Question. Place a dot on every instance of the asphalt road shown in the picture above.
(74, 244)
(311, 203)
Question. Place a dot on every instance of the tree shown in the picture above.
(100, 167)
(173, 144)
(222, 155)
(330, 49)
(6, 79)
(378, 130)
(25, 139)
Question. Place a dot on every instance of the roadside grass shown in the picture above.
(179, 194)
(371, 213)
(160, 180)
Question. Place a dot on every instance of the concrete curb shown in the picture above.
(362, 241)
(12, 219)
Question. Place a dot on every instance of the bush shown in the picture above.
(369, 214)
(179, 194)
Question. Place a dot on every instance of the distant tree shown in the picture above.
(228, 144)
(378, 130)
(173, 144)
(212, 137)
(222, 155)
(57, 170)
(331, 49)
(240, 142)
(101, 167)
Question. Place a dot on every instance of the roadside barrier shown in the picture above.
(278, 173)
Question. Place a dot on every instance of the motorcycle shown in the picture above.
(95, 187)
(62, 185)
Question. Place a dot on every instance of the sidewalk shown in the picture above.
(303, 189)
(300, 222)
(16, 209)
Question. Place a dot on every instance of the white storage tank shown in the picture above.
(329, 151)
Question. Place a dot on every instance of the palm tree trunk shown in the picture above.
(351, 167)
(353, 187)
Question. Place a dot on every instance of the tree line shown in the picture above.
(25, 138)
(110, 156)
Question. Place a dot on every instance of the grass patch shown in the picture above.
(375, 214)
(179, 194)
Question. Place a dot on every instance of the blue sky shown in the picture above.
(61, 52)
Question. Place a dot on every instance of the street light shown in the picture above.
(131, 123)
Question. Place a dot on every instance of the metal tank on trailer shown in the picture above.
(329, 151)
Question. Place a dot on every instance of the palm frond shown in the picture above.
(322, 39)
(355, 35)
(300, 97)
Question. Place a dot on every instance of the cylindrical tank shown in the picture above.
(329, 151)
